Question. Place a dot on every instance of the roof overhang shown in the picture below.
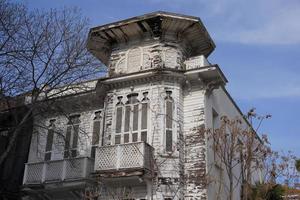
(205, 74)
(157, 25)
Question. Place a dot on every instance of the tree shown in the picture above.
(245, 158)
(239, 152)
(42, 55)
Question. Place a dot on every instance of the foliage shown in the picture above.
(267, 192)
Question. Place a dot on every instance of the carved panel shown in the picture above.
(134, 60)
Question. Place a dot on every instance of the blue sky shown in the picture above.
(258, 49)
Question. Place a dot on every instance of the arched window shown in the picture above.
(169, 103)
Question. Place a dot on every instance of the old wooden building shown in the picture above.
(137, 132)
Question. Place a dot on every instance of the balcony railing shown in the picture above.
(58, 170)
(124, 156)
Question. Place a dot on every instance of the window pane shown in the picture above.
(169, 140)
(126, 138)
(119, 120)
(117, 139)
(127, 118)
(144, 136)
(169, 114)
(96, 132)
(144, 115)
(134, 137)
(135, 117)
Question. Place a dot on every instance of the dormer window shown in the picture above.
(131, 119)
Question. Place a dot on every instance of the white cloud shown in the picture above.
(281, 26)
(243, 21)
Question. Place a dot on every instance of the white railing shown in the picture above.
(124, 156)
(57, 170)
(196, 62)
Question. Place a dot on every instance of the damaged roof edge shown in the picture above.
(146, 16)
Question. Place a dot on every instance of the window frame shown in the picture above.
(70, 151)
(169, 99)
(132, 105)
(51, 129)
(95, 144)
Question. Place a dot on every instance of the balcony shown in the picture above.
(124, 158)
(57, 170)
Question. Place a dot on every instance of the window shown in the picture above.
(131, 119)
(49, 142)
(96, 132)
(169, 122)
(71, 139)
(215, 126)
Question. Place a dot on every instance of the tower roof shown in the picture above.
(187, 29)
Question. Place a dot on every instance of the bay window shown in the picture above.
(131, 119)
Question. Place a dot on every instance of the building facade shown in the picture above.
(137, 133)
